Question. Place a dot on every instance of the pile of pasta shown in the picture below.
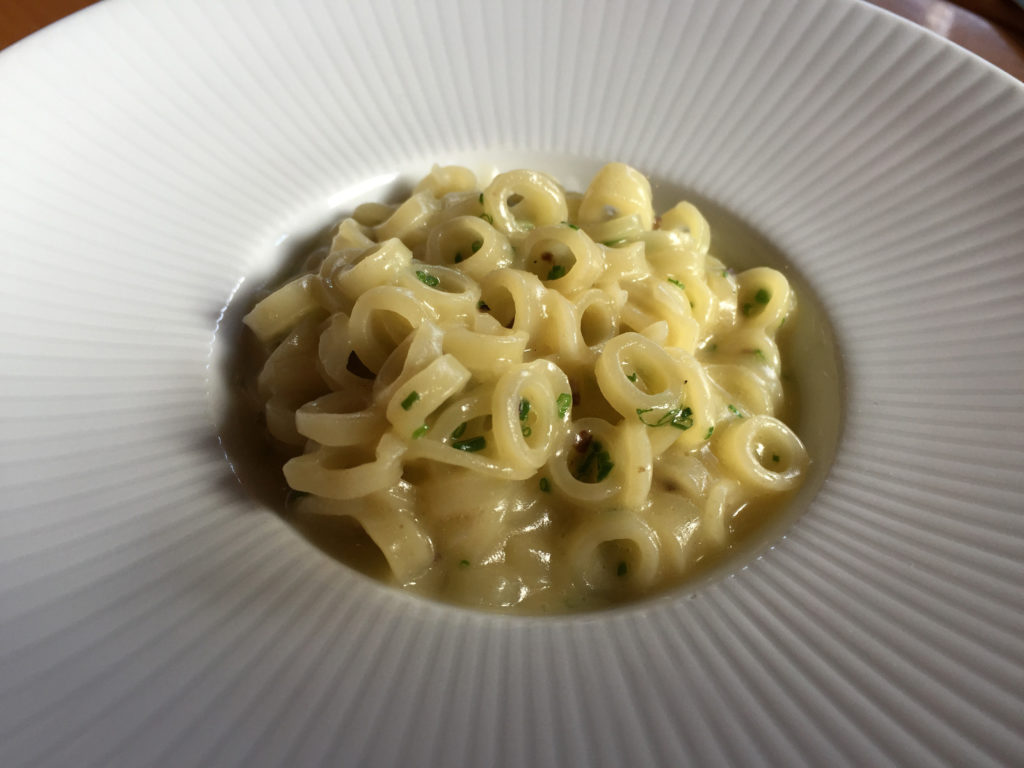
(530, 399)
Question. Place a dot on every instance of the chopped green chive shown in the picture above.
(427, 279)
(680, 418)
(471, 445)
(711, 430)
(481, 198)
(597, 462)
(733, 409)
(762, 296)
(487, 217)
(545, 485)
(420, 431)
(632, 377)
(527, 431)
(613, 243)
(564, 402)
(459, 431)
(775, 457)
(677, 283)
(759, 354)
(747, 308)
(524, 409)
(622, 569)
(556, 272)
(725, 273)
(458, 257)
(463, 563)
(411, 398)
(570, 226)
(477, 245)
(482, 306)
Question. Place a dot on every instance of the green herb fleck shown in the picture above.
(725, 273)
(524, 409)
(477, 245)
(420, 431)
(747, 308)
(570, 226)
(614, 243)
(677, 283)
(487, 217)
(622, 569)
(736, 411)
(459, 431)
(481, 198)
(762, 296)
(632, 377)
(411, 398)
(597, 462)
(680, 418)
(427, 279)
(458, 257)
(564, 402)
(527, 431)
(470, 445)
(711, 430)
(556, 272)
(713, 347)
(545, 485)
(482, 306)
(759, 354)
(463, 563)
(775, 458)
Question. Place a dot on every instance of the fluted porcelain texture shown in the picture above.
(151, 156)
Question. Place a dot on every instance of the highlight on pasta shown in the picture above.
(530, 399)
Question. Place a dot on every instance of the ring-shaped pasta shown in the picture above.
(763, 453)
(613, 552)
(541, 202)
(636, 375)
(342, 473)
(617, 190)
(351, 234)
(273, 316)
(765, 298)
(623, 263)
(410, 221)
(486, 355)
(525, 414)
(585, 453)
(445, 179)
(515, 298)
(687, 219)
(423, 393)
(381, 319)
(451, 294)
(559, 337)
(670, 253)
(470, 245)
(617, 232)
(745, 389)
(750, 346)
(563, 258)
(415, 352)
(450, 442)
(597, 314)
(388, 520)
(377, 265)
(340, 418)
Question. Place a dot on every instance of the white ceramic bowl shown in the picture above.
(153, 155)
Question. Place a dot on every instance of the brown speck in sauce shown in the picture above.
(583, 440)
